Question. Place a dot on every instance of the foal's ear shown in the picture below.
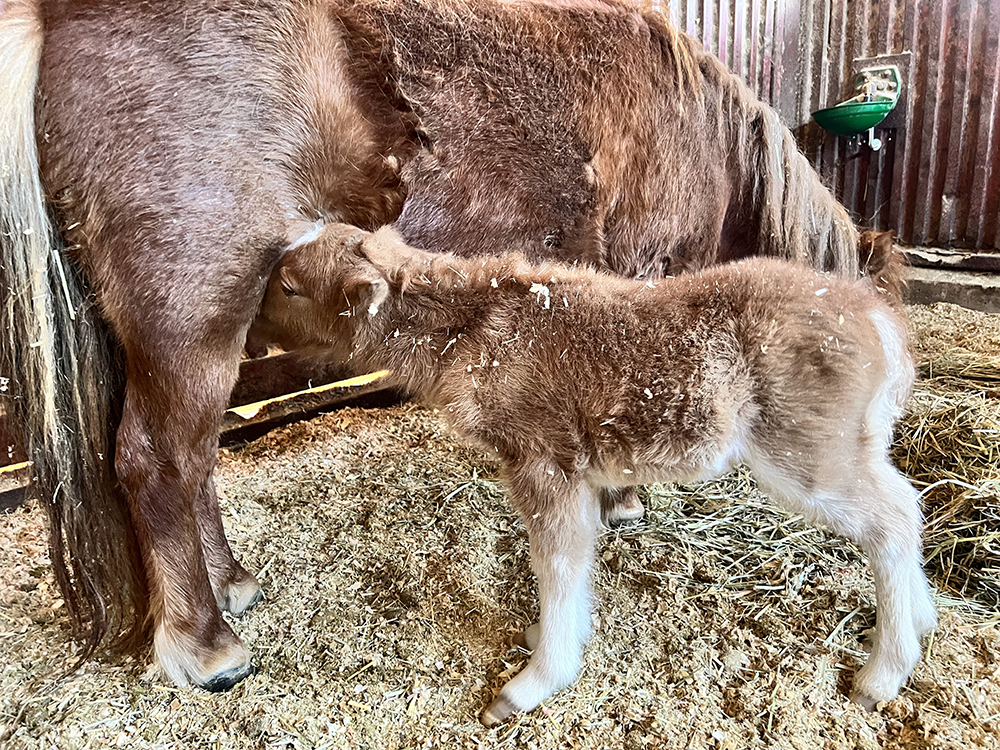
(377, 291)
(368, 288)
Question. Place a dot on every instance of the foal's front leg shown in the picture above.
(561, 516)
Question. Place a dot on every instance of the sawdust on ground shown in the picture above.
(396, 573)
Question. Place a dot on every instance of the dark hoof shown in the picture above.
(620, 523)
(229, 679)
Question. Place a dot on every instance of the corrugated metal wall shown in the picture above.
(937, 179)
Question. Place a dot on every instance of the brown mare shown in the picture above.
(156, 157)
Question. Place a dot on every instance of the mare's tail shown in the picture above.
(60, 373)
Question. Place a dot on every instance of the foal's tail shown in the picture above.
(58, 371)
(884, 264)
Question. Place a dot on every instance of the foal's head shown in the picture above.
(319, 291)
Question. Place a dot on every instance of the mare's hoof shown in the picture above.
(238, 598)
(256, 599)
(227, 680)
(498, 712)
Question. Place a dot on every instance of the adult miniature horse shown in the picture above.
(155, 159)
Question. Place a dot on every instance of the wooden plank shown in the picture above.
(725, 51)
(788, 73)
(739, 36)
(954, 135)
(928, 257)
(271, 376)
(986, 143)
(958, 180)
(248, 412)
(856, 164)
(753, 72)
(976, 291)
(708, 38)
(767, 61)
(881, 187)
(833, 146)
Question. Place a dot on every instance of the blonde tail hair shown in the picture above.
(58, 371)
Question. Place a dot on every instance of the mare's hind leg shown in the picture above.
(878, 509)
(235, 589)
(620, 505)
(167, 443)
(182, 317)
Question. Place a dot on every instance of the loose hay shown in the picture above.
(949, 445)
(395, 572)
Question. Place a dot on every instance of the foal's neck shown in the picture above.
(443, 309)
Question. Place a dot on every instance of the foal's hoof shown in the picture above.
(227, 680)
(865, 701)
(621, 507)
(529, 637)
(498, 712)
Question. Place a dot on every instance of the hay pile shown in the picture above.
(396, 574)
(949, 445)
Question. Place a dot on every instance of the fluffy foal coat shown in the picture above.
(580, 381)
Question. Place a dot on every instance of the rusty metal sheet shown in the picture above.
(937, 179)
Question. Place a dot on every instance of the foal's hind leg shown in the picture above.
(235, 589)
(905, 610)
(877, 508)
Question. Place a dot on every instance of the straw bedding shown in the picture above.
(396, 574)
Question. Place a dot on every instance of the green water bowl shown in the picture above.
(851, 118)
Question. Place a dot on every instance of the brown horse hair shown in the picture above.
(795, 215)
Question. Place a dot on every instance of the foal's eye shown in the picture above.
(288, 290)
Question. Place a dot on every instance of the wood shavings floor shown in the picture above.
(396, 573)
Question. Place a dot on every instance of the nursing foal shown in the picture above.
(579, 381)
